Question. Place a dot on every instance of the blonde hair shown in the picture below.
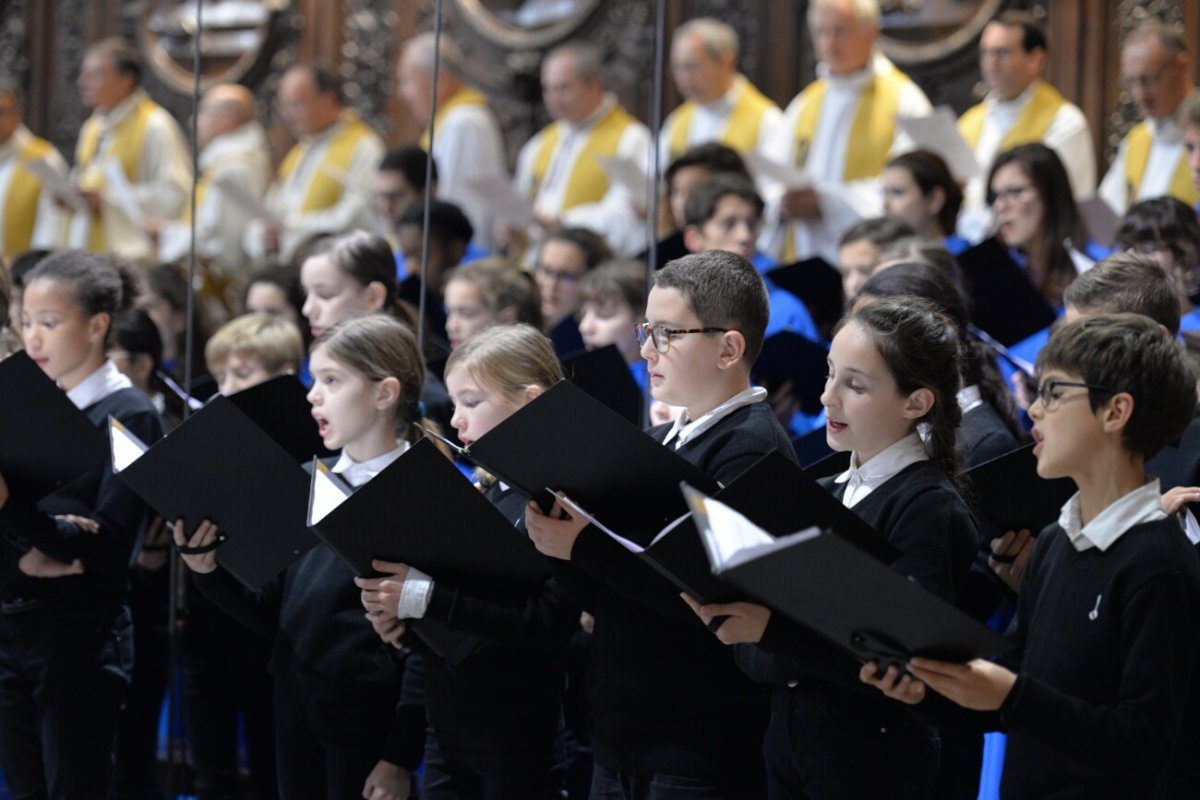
(509, 358)
(500, 286)
(273, 341)
(380, 347)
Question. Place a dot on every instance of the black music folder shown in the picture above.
(45, 441)
(420, 510)
(788, 356)
(1008, 493)
(280, 407)
(566, 440)
(220, 466)
(778, 497)
(811, 447)
(1003, 301)
(828, 585)
(604, 375)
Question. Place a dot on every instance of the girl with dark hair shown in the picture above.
(919, 189)
(275, 290)
(890, 400)
(1037, 219)
(1167, 229)
(65, 632)
(164, 299)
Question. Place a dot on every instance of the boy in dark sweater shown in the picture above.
(1109, 608)
(672, 715)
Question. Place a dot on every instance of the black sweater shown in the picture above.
(666, 696)
(1097, 704)
(919, 512)
(98, 495)
(495, 700)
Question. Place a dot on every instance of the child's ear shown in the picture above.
(1115, 414)
(919, 403)
(532, 392)
(376, 296)
(733, 349)
(693, 239)
(387, 393)
(937, 200)
(508, 315)
(98, 326)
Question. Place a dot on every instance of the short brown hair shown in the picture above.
(273, 341)
(616, 281)
(1127, 283)
(500, 286)
(1129, 353)
(702, 202)
(725, 291)
(1189, 110)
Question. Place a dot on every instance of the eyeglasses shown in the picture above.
(1145, 81)
(661, 335)
(1049, 396)
(1014, 195)
(557, 276)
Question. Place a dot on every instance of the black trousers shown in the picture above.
(224, 670)
(61, 685)
(456, 777)
(612, 785)
(135, 753)
(822, 747)
(327, 744)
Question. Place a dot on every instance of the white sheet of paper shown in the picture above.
(632, 547)
(326, 494)
(625, 172)
(126, 448)
(58, 184)
(766, 169)
(251, 205)
(938, 132)
(508, 204)
(121, 193)
(728, 533)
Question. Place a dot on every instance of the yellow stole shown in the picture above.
(21, 199)
(465, 96)
(1032, 123)
(325, 189)
(1137, 155)
(588, 182)
(871, 133)
(741, 129)
(125, 145)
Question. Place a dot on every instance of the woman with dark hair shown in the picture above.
(164, 299)
(1169, 231)
(1037, 219)
(919, 190)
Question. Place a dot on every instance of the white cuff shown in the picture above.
(414, 595)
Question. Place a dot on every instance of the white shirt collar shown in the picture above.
(724, 104)
(969, 397)
(607, 104)
(684, 431)
(356, 473)
(122, 109)
(99, 385)
(887, 462)
(1167, 130)
(328, 133)
(878, 65)
(15, 142)
(248, 136)
(1143, 504)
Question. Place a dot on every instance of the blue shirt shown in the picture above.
(956, 244)
(473, 253)
(1190, 321)
(641, 374)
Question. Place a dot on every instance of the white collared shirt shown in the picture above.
(969, 398)
(684, 431)
(356, 473)
(863, 479)
(99, 385)
(1143, 504)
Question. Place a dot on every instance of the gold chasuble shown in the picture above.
(1032, 123)
(741, 129)
(21, 198)
(324, 187)
(1137, 155)
(125, 145)
(465, 96)
(588, 182)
